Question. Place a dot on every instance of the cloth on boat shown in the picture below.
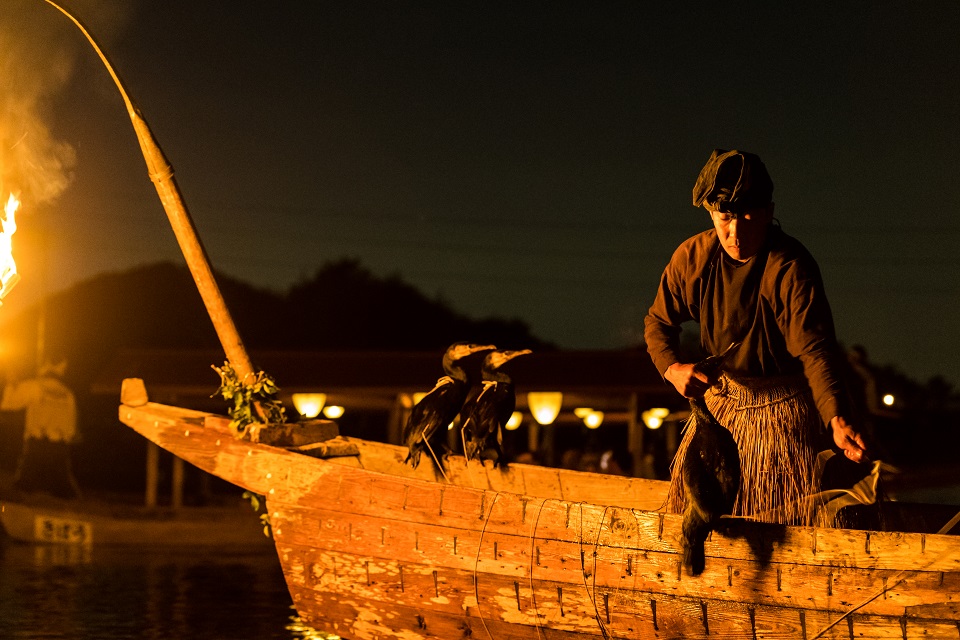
(50, 428)
(51, 409)
(45, 466)
(776, 426)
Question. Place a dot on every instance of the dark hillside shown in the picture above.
(158, 306)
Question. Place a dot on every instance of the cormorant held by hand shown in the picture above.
(710, 472)
(441, 405)
(484, 416)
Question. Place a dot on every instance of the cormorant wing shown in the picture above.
(480, 419)
(435, 410)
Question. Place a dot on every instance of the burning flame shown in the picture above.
(8, 267)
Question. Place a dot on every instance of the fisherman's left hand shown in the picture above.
(848, 439)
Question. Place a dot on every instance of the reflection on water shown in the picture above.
(102, 593)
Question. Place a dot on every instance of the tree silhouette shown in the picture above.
(345, 306)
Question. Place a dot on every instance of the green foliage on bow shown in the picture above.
(252, 402)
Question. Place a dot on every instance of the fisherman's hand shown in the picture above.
(689, 382)
(848, 439)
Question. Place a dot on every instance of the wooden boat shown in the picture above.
(88, 522)
(372, 548)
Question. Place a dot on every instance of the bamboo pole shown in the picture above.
(161, 173)
(153, 474)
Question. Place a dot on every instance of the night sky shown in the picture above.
(523, 159)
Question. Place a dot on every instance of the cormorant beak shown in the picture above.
(464, 350)
(497, 359)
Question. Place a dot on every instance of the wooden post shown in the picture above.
(176, 485)
(398, 417)
(635, 438)
(673, 437)
(153, 465)
(549, 455)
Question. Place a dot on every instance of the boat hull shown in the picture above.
(373, 549)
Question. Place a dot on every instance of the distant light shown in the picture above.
(593, 419)
(545, 405)
(653, 418)
(418, 396)
(888, 400)
(333, 412)
(514, 422)
(582, 412)
(309, 404)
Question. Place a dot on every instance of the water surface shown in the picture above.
(103, 593)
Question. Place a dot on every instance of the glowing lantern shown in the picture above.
(333, 411)
(593, 419)
(309, 404)
(653, 418)
(545, 405)
(888, 400)
(514, 422)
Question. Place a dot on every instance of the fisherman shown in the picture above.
(745, 281)
(50, 428)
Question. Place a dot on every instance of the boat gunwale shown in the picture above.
(192, 418)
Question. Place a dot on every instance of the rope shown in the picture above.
(593, 574)
(533, 542)
(162, 177)
(897, 579)
(423, 436)
(476, 562)
(780, 389)
(950, 524)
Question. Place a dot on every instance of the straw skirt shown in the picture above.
(776, 426)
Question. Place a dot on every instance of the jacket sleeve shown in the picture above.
(807, 324)
(670, 310)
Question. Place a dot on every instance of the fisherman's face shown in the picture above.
(741, 235)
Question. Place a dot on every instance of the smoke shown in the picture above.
(32, 162)
(38, 53)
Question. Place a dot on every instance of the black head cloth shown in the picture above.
(733, 181)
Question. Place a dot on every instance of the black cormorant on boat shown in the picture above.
(441, 405)
(484, 416)
(710, 473)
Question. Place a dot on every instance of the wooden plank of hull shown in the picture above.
(607, 565)
(414, 595)
(156, 421)
(428, 503)
(361, 619)
(531, 480)
(782, 576)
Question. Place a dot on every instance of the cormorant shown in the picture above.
(484, 416)
(710, 473)
(440, 406)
